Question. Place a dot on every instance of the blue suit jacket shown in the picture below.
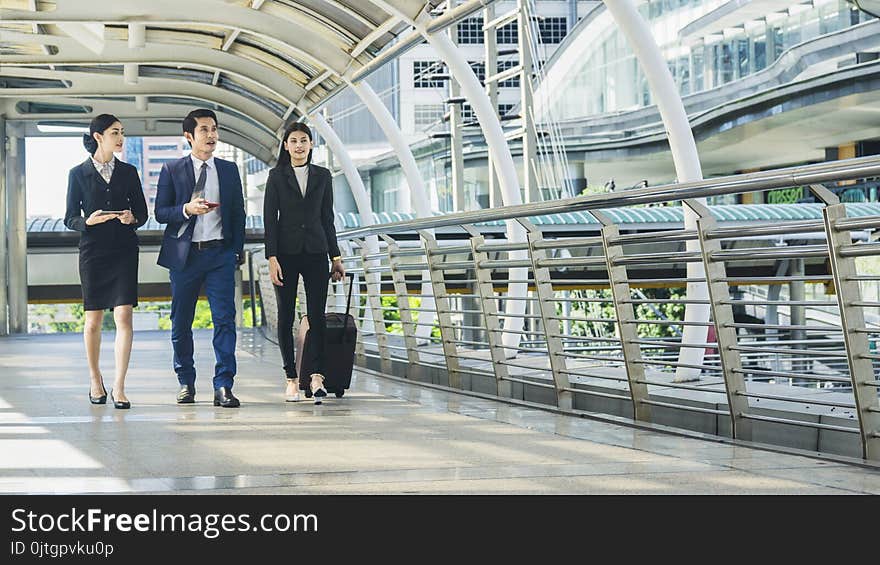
(176, 183)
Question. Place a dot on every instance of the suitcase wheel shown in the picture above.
(339, 393)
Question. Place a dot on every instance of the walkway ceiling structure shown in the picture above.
(259, 63)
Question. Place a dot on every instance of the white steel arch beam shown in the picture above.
(322, 51)
(415, 195)
(90, 84)
(256, 138)
(358, 190)
(505, 167)
(162, 119)
(197, 57)
(686, 161)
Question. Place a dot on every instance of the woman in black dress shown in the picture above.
(300, 237)
(105, 203)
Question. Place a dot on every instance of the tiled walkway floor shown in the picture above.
(382, 437)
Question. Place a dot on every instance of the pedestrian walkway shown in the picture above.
(385, 436)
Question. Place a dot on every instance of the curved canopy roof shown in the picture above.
(259, 63)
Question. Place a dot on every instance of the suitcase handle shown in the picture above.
(350, 288)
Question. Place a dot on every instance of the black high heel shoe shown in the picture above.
(123, 404)
(98, 399)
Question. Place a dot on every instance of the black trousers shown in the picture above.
(315, 272)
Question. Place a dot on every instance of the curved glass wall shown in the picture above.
(597, 72)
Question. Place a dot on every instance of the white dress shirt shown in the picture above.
(107, 172)
(302, 177)
(208, 226)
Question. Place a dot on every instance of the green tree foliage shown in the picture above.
(668, 311)
(391, 314)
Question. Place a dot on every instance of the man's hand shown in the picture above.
(337, 271)
(196, 207)
(275, 272)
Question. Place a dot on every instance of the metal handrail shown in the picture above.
(846, 169)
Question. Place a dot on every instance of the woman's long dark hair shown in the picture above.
(99, 124)
(284, 155)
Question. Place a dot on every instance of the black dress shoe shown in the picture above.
(98, 399)
(123, 404)
(186, 394)
(223, 397)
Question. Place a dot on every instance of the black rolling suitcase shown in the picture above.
(339, 341)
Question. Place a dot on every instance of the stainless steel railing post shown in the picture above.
(373, 279)
(486, 291)
(547, 308)
(444, 312)
(722, 315)
(621, 294)
(852, 320)
(406, 319)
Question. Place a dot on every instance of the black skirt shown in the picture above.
(109, 276)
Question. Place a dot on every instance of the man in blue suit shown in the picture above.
(200, 198)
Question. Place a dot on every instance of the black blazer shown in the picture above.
(294, 223)
(87, 192)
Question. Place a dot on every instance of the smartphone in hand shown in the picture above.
(111, 212)
(212, 205)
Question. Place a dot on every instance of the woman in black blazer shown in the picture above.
(105, 203)
(300, 237)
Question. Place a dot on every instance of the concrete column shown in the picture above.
(4, 256)
(17, 231)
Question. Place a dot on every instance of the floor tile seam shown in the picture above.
(427, 480)
(483, 473)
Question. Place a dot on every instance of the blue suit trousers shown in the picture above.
(215, 268)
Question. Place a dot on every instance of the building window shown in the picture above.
(253, 165)
(552, 30)
(508, 34)
(427, 115)
(512, 82)
(163, 147)
(503, 109)
(467, 114)
(423, 71)
(470, 31)
(479, 68)
(162, 160)
(154, 173)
